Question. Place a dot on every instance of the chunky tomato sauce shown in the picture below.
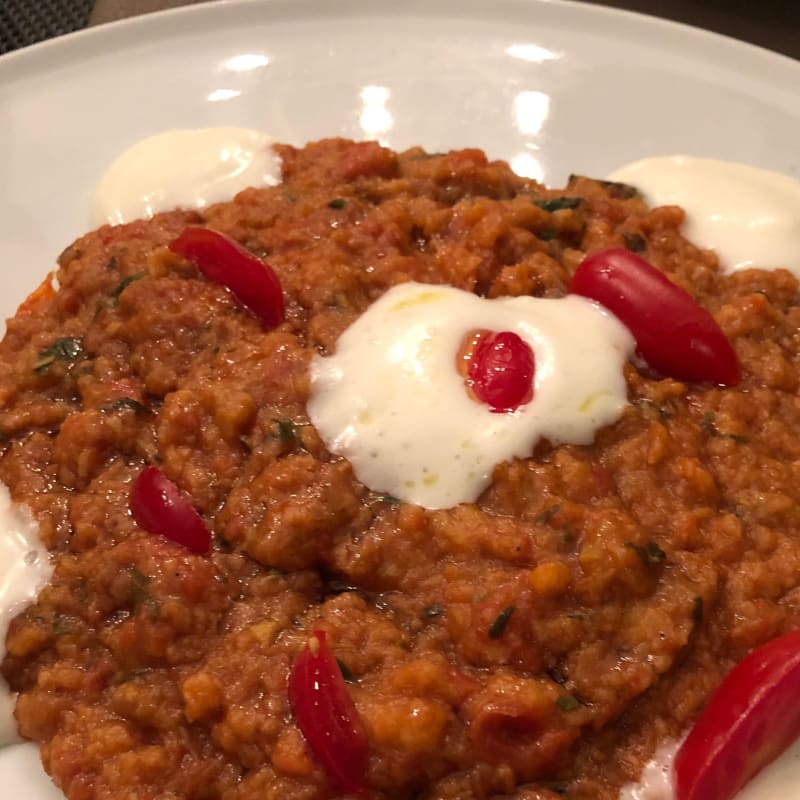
(537, 644)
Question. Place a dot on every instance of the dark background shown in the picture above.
(774, 24)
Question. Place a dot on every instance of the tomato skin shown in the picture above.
(674, 334)
(749, 721)
(500, 371)
(225, 261)
(327, 717)
(160, 507)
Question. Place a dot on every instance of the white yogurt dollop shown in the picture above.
(749, 216)
(24, 569)
(392, 402)
(189, 168)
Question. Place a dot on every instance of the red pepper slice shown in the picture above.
(327, 716)
(674, 334)
(500, 371)
(159, 506)
(225, 261)
(749, 721)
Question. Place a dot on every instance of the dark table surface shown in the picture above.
(774, 24)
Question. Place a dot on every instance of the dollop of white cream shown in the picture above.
(392, 402)
(24, 569)
(749, 216)
(187, 168)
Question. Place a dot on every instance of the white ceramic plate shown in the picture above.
(552, 87)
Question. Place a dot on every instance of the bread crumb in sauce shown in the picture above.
(537, 644)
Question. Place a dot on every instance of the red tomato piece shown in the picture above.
(500, 371)
(674, 334)
(327, 717)
(159, 506)
(749, 721)
(225, 261)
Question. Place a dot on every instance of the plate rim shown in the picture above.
(93, 41)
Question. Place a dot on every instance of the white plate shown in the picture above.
(552, 87)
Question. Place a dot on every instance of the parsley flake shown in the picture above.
(697, 610)
(548, 514)
(140, 597)
(125, 403)
(288, 431)
(67, 349)
(346, 673)
(124, 284)
(651, 554)
(498, 627)
(558, 203)
(568, 702)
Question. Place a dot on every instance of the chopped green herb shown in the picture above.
(558, 203)
(568, 702)
(61, 350)
(433, 610)
(708, 423)
(567, 537)
(124, 284)
(620, 191)
(426, 156)
(548, 514)
(497, 628)
(82, 592)
(337, 202)
(111, 264)
(697, 610)
(389, 499)
(345, 670)
(635, 242)
(288, 431)
(61, 624)
(130, 675)
(140, 597)
(650, 409)
(259, 252)
(124, 403)
(651, 554)
(557, 787)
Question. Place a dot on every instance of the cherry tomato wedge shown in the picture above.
(159, 506)
(500, 371)
(327, 716)
(749, 721)
(674, 334)
(225, 261)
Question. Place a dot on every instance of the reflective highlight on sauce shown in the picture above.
(187, 168)
(749, 216)
(24, 569)
(391, 401)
